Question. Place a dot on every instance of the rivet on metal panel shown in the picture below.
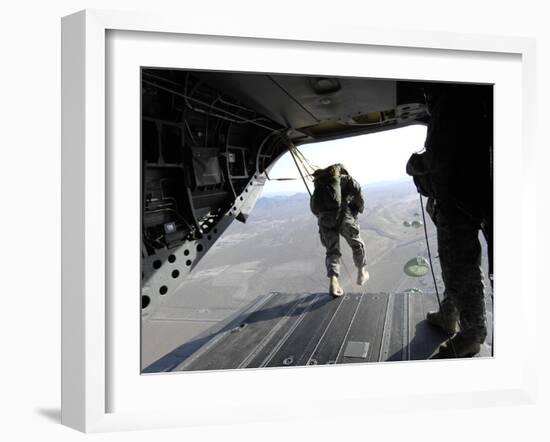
(288, 361)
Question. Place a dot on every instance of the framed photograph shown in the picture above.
(201, 283)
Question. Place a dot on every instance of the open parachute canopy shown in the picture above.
(417, 224)
(417, 267)
(407, 223)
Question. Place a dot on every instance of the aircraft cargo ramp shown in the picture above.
(285, 329)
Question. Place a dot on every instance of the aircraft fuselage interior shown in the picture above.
(210, 139)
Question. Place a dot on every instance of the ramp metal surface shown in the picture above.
(288, 329)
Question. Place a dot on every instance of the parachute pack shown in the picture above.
(327, 195)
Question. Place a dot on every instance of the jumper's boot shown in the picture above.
(447, 323)
(362, 276)
(459, 346)
(335, 289)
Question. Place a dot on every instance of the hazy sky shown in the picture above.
(369, 158)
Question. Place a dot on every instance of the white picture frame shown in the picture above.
(93, 368)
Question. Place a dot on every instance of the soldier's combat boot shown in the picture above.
(335, 289)
(447, 323)
(459, 346)
(362, 276)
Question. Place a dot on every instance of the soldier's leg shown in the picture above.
(330, 239)
(460, 258)
(447, 317)
(350, 230)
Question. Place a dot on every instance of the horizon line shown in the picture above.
(291, 193)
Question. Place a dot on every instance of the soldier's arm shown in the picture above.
(444, 137)
(355, 191)
(311, 207)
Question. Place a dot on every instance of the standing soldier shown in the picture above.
(455, 173)
(336, 202)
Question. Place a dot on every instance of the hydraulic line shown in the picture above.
(230, 116)
(234, 115)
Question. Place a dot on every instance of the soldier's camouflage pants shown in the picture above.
(460, 258)
(330, 238)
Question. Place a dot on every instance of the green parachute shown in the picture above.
(414, 223)
(417, 267)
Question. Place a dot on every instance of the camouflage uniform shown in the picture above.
(460, 258)
(455, 173)
(343, 222)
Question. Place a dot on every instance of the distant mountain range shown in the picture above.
(373, 193)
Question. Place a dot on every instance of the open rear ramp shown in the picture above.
(287, 329)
